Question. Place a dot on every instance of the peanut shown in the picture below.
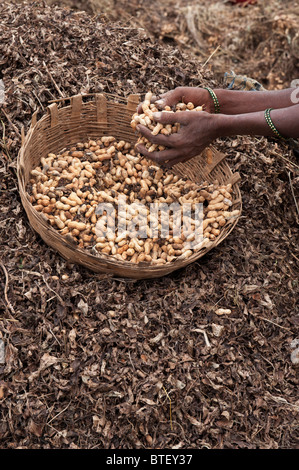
(68, 187)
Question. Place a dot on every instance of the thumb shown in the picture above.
(169, 98)
(165, 117)
(168, 117)
(166, 99)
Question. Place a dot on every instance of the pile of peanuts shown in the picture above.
(146, 119)
(68, 187)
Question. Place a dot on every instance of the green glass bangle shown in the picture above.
(215, 99)
(271, 125)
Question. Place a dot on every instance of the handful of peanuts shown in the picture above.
(146, 119)
(70, 188)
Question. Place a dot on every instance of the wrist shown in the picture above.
(245, 102)
(213, 102)
(231, 101)
(242, 124)
(223, 125)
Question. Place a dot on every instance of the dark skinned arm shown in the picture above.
(241, 102)
(199, 129)
(231, 101)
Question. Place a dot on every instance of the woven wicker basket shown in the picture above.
(92, 118)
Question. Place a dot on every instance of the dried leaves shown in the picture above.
(89, 358)
(260, 41)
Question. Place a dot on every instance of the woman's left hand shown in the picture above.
(197, 131)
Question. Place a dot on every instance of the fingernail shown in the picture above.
(157, 116)
(160, 102)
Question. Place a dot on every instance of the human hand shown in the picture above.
(197, 96)
(197, 131)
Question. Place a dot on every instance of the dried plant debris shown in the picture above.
(94, 361)
(260, 41)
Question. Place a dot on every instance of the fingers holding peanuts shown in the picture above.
(160, 156)
(184, 127)
(197, 96)
(158, 138)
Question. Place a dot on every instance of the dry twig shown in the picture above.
(293, 194)
(170, 415)
(6, 288)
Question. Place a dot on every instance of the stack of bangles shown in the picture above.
(267, 113)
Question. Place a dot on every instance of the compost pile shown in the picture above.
(203, 358)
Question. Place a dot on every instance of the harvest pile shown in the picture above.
(69, 188)
(146, 119)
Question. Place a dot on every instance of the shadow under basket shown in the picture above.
(91, 118)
